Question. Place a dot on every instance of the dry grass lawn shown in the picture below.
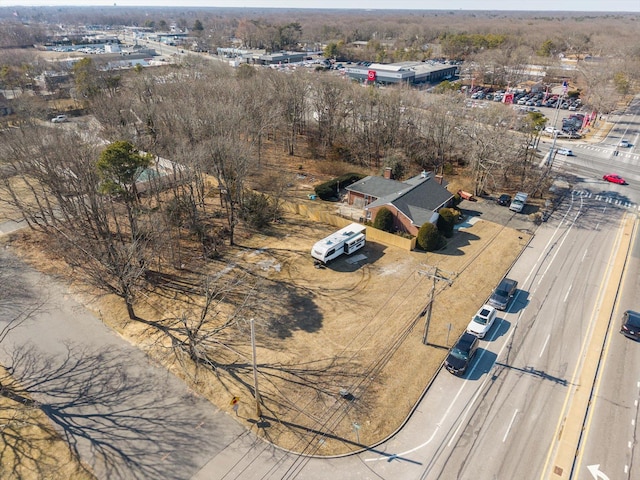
(354, 327)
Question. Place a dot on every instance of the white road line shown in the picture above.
(545, 345)
(630, 444)
(633, 422)
(510, 425)
(626, 469)
(584, 255)
(487, 377)
(568, 292)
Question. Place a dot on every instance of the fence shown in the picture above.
(317, 214)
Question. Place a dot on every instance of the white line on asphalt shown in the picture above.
(510, 425)
(564, 237)
(626, 469)
(545, 345)
(568, 292)
(487, 377)
(633, 422)
(630, 444)
(584, 256)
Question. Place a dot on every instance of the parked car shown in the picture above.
(59, 119)
(504, 200)
(565, 151)
(631, 324)
(461, 354)
(482, 321)
(613, 178)
(625, 144)
(503, 293)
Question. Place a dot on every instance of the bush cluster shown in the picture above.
(384, 220)
(329, 190)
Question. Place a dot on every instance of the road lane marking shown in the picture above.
(555, 447)
(584, 255)
(504, 439)
(541, 257)
(532, 273)
(564, 237)
(545, 345)
(568, 292)
(591, 402)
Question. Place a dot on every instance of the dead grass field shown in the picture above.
(351, 327)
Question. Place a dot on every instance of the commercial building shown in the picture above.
(413, 73)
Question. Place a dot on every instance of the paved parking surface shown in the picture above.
(488, 209)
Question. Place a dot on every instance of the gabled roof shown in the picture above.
(418, 198)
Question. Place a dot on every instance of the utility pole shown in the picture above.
(255, 370)
(435, 276)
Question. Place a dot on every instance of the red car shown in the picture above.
(613, 178)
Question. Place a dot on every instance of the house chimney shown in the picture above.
(439, 179)
(388, 173)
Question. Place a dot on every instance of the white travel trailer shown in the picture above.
(346, 240)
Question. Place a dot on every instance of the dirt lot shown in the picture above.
(335, 345)
(353, 327)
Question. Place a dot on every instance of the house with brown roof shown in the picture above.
(413, 202)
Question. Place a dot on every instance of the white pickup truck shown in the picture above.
(518, 202)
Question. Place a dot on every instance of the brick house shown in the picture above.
(412, 202)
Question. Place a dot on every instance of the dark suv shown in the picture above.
(504, 200)
(461, 354)
(501, 296)
(631, 324)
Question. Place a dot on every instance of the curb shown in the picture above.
(570, 429)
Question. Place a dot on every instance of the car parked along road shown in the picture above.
(482, 321)
(461, 354)
(503, 293)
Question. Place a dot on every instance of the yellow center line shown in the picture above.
(567, 432)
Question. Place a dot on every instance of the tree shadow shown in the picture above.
(455, 244)
(124, 423)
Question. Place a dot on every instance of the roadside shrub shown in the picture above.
(384, 220)
(446, 221)
(329, 190)
(457, 199)
(429, 238)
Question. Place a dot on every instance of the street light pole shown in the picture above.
(255, 370)
(549, 161)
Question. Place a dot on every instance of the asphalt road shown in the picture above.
(610, 437)
(127, 417)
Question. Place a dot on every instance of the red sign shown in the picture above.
(371, 76)
(508, 98)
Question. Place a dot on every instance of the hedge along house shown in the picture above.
(412, 202)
